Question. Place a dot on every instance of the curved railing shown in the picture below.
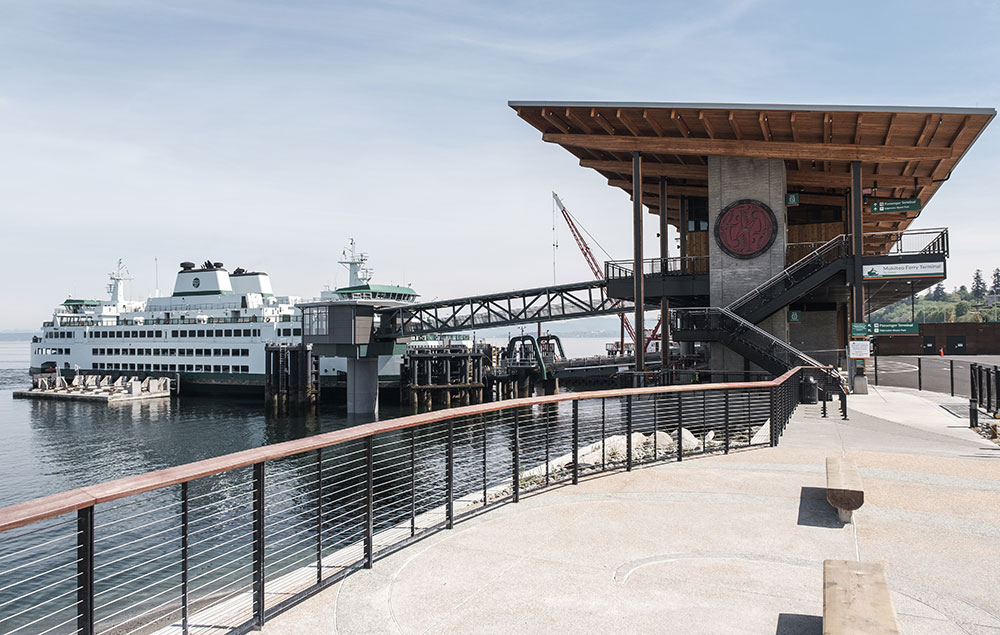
(228, 542)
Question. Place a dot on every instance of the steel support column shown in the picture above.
(857, 243)
(664, 300)
(640, 334)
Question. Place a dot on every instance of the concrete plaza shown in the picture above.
(720, 544)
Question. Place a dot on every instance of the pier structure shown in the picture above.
(443, 375)
(291, 376)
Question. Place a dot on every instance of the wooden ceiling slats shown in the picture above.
(906, 152)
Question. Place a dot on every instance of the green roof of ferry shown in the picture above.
(378, 288)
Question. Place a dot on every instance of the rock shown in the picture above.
(591, 458)
(688, 440)
(638, 440)
(710, 439)
(664, 443)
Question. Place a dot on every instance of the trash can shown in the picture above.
(809, 390)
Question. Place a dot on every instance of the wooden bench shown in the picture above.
(843, 487)
(856, 599)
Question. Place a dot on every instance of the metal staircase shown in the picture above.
(734, 325)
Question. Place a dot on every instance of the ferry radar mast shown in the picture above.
(355, 262)
(116, 289)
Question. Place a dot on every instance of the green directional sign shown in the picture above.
(791, 198)
(889, 205)
(864, 329)
(794, 316)
(895, 328)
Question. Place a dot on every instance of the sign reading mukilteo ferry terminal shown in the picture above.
(746, 229)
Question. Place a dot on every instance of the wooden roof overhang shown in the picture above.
(905, 152)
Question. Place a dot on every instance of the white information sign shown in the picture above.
(859, 349)
(904, 270)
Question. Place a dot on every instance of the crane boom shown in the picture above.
(588, 255)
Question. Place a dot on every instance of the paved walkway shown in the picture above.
(722, 544)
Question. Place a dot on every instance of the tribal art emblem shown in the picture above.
(746, 229)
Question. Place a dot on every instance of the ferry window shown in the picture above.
(201, 333)
(159, 334)
(189, 367)
(218, 352)
(218, 332)
(225, 369)
(135, 333)
(246, 352)
(173, 367)
(127, 335)
(246, 369)
(217, 369)
(93, 351)
(197, 367)
(296, 331)
(229, 332)
(173, 333)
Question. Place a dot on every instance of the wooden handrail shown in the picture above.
(38, 509)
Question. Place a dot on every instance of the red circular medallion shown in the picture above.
(746, 228)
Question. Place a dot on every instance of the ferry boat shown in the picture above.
(210, 333)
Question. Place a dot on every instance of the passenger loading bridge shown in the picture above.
(527, 306)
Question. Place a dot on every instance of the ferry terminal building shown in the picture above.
(796, 219)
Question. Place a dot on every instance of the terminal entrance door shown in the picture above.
(955, 345)
(928, 345)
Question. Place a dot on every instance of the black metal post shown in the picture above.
(920, 373)
(774, 416)
(875, 369)
(516, 462)
(319, 515)
(951, 375)
(628, 433)
(680, 427)
(996, 390)
(857, 242)
(972, 382)
(413, 482)
(369, 501)
(85, 570)
(482, 419)
(450, 473)
(184, 559)
(843, 405)
(823, 395)
(604, 436)
(545, 422)
(973, 413)
(726, 420)
(576, 442)
(258, 545)
(638, 279)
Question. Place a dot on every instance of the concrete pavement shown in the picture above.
(720, 544)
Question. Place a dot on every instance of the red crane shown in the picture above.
(595, 267)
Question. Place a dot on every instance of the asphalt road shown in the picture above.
(929, 372)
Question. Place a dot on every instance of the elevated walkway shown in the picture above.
(715, 545)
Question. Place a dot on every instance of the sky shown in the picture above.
(267, 134)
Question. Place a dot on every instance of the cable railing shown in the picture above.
(615, 269)
(224, 544)
(933, 241)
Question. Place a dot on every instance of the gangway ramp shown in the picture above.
(525, 306)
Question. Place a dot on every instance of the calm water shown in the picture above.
(51, 446)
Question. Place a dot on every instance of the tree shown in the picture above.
(939, 293)
(961, 309)
(963, 293)
(978, 285)
(995, 287)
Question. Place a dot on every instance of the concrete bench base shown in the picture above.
(843, 487)
(856, 599)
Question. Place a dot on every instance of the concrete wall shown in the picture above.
(731, 179)
(816, 336)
